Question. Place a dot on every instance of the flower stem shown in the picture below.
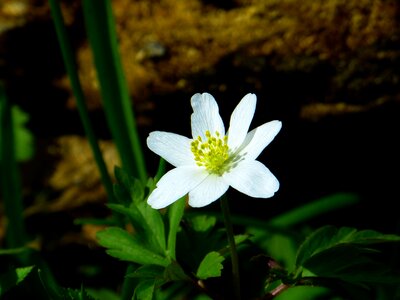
(232, 246)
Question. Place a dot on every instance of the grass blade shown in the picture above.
(113, 87)
(10, 178)
(70, 65)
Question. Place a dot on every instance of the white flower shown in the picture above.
(214, 160)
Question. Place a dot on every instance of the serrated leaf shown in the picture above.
(144, 290)
(330, 236)
(128, 186)
(155, 224)
(374, 237)
(122, 195)
(131, 184)
(199, 237)
(240, 238)
(13, 278)
(353, 264)
(210, 266)
(319, 240)
(348, 254)
(174, 272)
(203, 223)
(72, 294)
(122, 245)
(147, 223)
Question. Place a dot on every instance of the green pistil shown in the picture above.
(212, 154)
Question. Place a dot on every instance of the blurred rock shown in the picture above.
(309, 59)
(75, 180)
(169, 47)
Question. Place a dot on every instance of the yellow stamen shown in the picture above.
(213, 154)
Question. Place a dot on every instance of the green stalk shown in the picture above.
(232, 246)
(297, 215)
(16, 236)
(70, 65)
(313, 209)
(10, 178)
(102, 37)
(101, 32)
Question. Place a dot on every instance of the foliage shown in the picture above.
(339, 260)
(13, 278)
(173, 254)
(23, 138)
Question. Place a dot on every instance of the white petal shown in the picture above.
(174, 148)
(212, 188)
(205, 116)
(253, 179)
(175, 184)
(259, 138)
(240, 121)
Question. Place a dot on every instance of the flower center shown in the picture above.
(213, 154)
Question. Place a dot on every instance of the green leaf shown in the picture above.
(198, 237)
(122, 245)
(23, 138)
(145, 290)
(303, 293)
(353, 264)
(147, 271)
(240, 238)
(203, 223)
(279, 246)
(132, 186)
(210, 266)
(122, 194)
(72, 294)
(349, 255)
(174, 272)
(13, 278)
(147, 223)
(53, 290)
(330, 236)
(175, 213)
(103, 294)
(155, 224)
(202, 297)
